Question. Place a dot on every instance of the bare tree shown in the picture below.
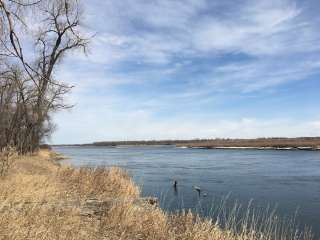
(30, 91)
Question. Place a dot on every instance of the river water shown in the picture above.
(286, 180)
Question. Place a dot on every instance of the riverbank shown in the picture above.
(44, 199)
(202, 146)
(301, 143)
(259, 144)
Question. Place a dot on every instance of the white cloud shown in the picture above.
(155, 31)
(275, 33)
(259, 28)
(263, 73)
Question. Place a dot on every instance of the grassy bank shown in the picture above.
(41, 199)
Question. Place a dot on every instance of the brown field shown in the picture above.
(41, 199)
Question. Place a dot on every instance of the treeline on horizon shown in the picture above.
(307, 142)
(218, 142)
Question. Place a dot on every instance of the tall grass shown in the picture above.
(257, 222)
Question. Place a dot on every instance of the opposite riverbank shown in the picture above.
(41, 198)
(302, 143)
(260, 144)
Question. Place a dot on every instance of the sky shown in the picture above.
(184, 69)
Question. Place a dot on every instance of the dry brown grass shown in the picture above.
(35, 204)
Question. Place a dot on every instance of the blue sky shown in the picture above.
(180, 69)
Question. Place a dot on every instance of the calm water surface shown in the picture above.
(289, 180)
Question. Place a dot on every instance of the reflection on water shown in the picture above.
(288, 179)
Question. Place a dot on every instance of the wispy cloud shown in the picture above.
(154, 29)
(256, 28)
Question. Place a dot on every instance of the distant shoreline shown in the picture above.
(257, 148)
(302, 143)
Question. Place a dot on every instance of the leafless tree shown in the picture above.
(29, 90)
